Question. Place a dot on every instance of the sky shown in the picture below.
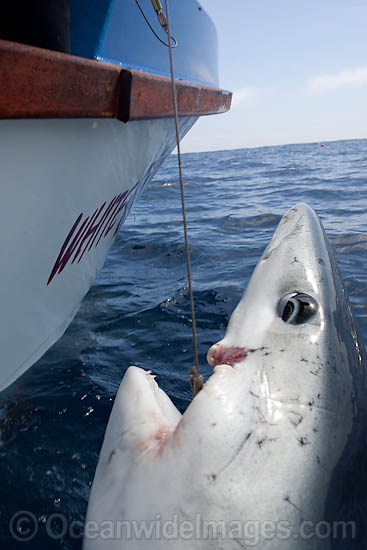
(297, 70)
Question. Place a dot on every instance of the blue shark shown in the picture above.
(271, 453)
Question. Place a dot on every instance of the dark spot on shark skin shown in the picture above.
(183, 513)
(212, 477)
(254, 394)
(264, 440)
(287, 216)
(295, 261)
(295, 399)
(111, 457)
(263, 419)
(297, 418)
(303, 360)
(303, 441)
(241, 544)
(269, 252)
(282, 350)
(236, 453)
(214, 424)
(287, 498)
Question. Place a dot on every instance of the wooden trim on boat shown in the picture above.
(38, 83)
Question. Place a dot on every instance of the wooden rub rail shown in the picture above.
(37, 83)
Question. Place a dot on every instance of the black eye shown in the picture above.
(297, 308)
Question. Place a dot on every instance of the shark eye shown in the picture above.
(297, 308)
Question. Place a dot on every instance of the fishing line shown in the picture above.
(195, 379)
(161, 18)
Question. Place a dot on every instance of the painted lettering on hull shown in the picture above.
(84, 234)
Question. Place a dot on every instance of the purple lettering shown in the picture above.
(91, 231)
(63, 256)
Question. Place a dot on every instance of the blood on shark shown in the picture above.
(271, 453)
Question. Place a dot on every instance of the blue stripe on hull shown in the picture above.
(115, 31)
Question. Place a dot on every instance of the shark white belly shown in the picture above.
(270, 454)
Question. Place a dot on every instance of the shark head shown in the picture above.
(261, 442)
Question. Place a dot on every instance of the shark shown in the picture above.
(271, 453)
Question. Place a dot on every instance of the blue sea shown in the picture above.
(53, 419)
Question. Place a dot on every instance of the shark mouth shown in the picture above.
(147, 419)
(143, 404)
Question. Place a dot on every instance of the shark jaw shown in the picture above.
(264, 435)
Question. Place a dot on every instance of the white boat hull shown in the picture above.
(69, 185)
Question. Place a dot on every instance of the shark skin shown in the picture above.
(271, 453)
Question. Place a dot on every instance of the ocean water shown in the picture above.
(53, 419)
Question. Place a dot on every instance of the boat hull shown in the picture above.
(69, 186)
